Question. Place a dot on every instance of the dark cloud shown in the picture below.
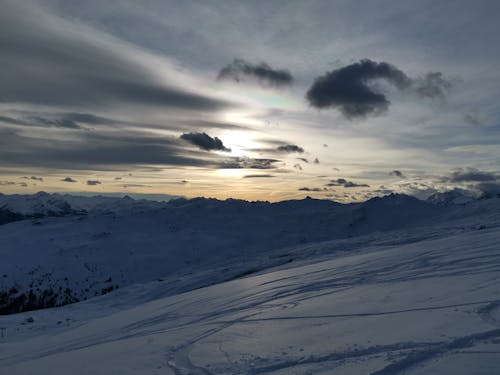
(350, 89)
(68, 179)
(473, 118)
(248, 163)
(34, 178)
(282, 148)
(88, 118)
(304, 160)
(290, 149)
(12, 121)
(347, 88)
(316, 161)
(240, 69)
(61, 66)
(311, 189)
(273, 142)
(40, 122)
(205, 142)
(12, 183)
(93, 182)
(345, 183)
(397, 173)
(58, 123)
(298, 166)
(259, 176)
(471, 175)
(432, 85)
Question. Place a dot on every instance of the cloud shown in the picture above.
(290, 149)
(259, 176)
(205, 142)
(240, 69)
(474, 118)
(53, 58)
(396, 173)
(116, 149)
(248, 163)
(432, 85)
(40, 122)
(471, 175)
(488, 189)
(93, 182)
(58, 123)
(298, 166)
(316, 161)
(34, 178)
(418, 189)
(304, 160)
(283, 148)
(88, 118)
(311, 189)
(12, 183)
(100, 150)
(345, 183)
(350, 89)
(69, 179)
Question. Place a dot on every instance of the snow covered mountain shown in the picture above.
(225, 287)
(455, 196)
(44, 204)
(84, 247)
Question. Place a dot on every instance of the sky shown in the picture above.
(261, 100)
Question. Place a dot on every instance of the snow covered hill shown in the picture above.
(427, 307)
(117, 242)
(203, 286)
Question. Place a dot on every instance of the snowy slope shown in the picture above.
(427, 307)
(58, 260)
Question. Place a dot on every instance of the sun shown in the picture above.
(241, 143)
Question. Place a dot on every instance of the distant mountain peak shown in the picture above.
(455, 196)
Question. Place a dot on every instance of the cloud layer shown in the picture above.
(64, 65)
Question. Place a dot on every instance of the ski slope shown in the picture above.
(428, 307)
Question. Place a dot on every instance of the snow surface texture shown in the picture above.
(390, 286)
